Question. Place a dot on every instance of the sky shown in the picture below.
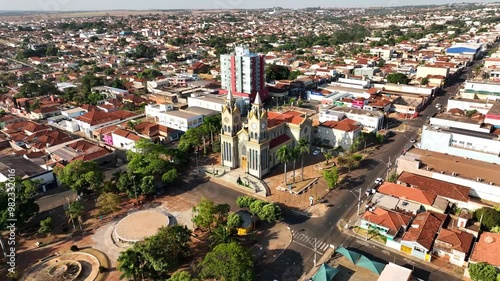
(72, 5)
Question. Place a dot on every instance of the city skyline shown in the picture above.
(78, 5)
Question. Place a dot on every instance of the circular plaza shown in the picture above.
(137, 226)
(71, 266)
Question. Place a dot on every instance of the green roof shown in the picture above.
(325, 273)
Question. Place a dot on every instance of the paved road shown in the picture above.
(299, 258)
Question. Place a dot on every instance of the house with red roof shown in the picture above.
(338, 133)
(453, 244)
(419, 238)
(95, 119)
(427, 200)
(387, 222)
(80, 149)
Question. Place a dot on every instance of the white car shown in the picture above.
(379, 181)
(316, 152)
(413, 141)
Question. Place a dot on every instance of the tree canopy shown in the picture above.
(156, 256)
(483, 272)
(24, 208)
(277, 72)
(80, 175)
(488, 217)
(228, 262)
(398, 78)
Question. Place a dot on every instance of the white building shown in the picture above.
(485, 90)
(371, 121)
(481, 106)
(382, 52)
(461, 136)
(243, 73)
(338, 133)
(207, 102)
(180, 120)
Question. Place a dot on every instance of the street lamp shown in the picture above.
(388, 165)
(357, 197)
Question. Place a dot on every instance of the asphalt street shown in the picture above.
(299, 257)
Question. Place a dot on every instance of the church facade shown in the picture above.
(252, 145)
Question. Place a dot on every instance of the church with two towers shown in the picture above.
(251, 144)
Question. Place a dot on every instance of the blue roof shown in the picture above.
(461, 49)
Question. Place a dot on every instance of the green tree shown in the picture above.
(228, 262)
(80, 175)
(190, 140)
(220, 235)
(234, 220)
(149, 74)
(170, 176)
(148, 185)
(25, 207)
(182, 276)
(245, 201)
(75, 213)
(132, 264)
(270, 213)
(425, 81)
(303, 147)
(108, 203)
(165, 250)
(488, 217)
(205, 214)
(398, 78)
(393, 177)
(284, 154)
(294, 74)
(331, 176)
(328, 156)
(256, 207)
(277, 72)
(45, 226)
(482, 272)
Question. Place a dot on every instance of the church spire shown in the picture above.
(229, 95)
(257, 100)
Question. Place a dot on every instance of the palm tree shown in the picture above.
(303, 146)
(294, 156)
(221, 235)
(328, 155)
(283, 155)
(75, 212)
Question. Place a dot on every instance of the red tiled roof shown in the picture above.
(412, 194)
(487, 249)
(127, 134)
(276, 118)
(424, 228)
(278, 140)
(458, 240)
(390, 219)
(437, 187)
(346, 125)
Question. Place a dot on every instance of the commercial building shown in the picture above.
(463, 136)
(243, 73)
(481, 177)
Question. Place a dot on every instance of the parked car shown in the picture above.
(316, 152)
(379, 181)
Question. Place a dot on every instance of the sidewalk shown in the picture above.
(351, 233)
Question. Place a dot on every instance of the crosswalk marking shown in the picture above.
(308, 242)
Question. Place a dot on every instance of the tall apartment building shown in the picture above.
(243, 72)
